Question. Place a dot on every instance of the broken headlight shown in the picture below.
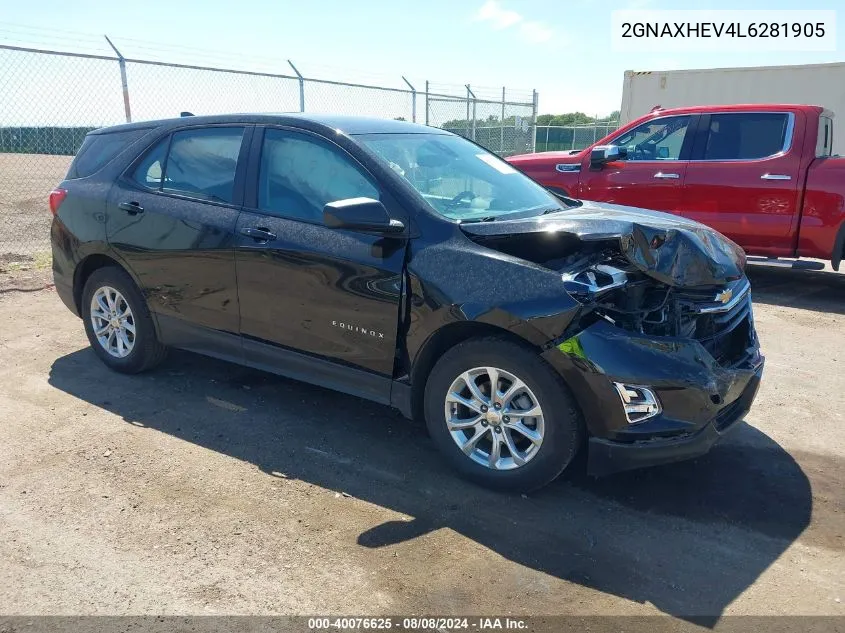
(624, 298)
(589, 283)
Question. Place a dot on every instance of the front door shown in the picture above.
(303, 287)
(652, 175)
(172, 220)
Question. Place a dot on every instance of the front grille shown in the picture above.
(725, 329)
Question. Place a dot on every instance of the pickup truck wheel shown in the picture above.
(501, 415)
(118, 322)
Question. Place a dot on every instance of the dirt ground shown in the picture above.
(26, 181)
(205, 488)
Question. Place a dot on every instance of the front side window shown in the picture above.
(657, 139)
(300, 174)
(459, 179)
(746, 135)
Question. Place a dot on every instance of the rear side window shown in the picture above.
(99, 149)
(199, 163)
(746, 135)
(150, 171)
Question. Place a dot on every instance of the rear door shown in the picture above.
(329, 293)
(653, 174)
(171, 218)
(742, 178)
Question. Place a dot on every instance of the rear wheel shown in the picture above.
(501, 415)
(118, 322)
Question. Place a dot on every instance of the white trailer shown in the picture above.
(811, 84)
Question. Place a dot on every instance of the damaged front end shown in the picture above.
(717, 316)
(662, 354)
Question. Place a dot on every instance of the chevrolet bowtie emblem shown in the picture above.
(724, 296)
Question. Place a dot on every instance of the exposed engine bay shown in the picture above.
(717, 316)
(668, 278)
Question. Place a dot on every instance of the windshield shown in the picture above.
(460, 180)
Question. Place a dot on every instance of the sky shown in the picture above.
(561, 48)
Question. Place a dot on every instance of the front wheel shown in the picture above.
(501, 415)
(118, 323)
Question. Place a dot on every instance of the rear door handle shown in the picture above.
(259, 234)
(660, 174)
(132, 208)
(775, 177)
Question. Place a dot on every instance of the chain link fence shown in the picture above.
(50, 100)
(556, 138)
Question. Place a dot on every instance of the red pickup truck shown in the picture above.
(764, 175)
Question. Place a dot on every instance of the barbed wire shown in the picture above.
(66, 40)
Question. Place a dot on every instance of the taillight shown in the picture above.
(57, 196)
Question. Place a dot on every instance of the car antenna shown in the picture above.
(186, 114)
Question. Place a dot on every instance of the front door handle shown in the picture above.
(132, 208)
(259, 234)
(660, 174)
(775, 177)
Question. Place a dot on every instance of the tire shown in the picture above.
(146, 351)
(560, 426)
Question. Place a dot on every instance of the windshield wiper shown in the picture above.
(488, 218)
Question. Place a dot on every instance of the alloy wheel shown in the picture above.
(494, 418)
(113, 322)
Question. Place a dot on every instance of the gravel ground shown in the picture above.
(206, 488)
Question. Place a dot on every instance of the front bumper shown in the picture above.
(701, 399)
(606, 456)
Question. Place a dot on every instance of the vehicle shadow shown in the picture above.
(688, 538)
(823, 291)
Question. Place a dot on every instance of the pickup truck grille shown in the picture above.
(721, 320)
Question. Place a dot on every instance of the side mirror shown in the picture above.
(360, 214)
(602, 154)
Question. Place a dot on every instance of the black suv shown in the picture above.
(409, 266)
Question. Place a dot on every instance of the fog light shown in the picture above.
(639, 403)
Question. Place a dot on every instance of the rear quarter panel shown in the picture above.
(79, 227)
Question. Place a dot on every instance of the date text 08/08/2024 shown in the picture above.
(417, 623)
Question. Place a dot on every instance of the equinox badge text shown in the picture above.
(355, 328)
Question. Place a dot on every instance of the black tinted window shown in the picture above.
(150, 170)
(745, 136)
(300, 175)
(202, 163)
(99, 149)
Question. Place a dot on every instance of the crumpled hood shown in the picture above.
(668, 248)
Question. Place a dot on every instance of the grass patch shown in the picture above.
(10, 263)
